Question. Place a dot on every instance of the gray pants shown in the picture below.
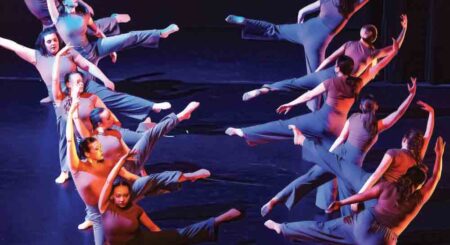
(151, 185)
(200, 232)
(360, 228)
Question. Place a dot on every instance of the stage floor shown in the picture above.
(37, 211)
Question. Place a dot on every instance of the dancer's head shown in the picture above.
(70, 3)
(344, 65)
(121, 194)
(48, 42)
(91, 149)
(369, 34)
(413, 141)
(345, 7)
(369, 106)
(101, 118)
(410, 183)
(73, 79)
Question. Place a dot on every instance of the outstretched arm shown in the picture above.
(23, 52)
(370, 74)
(72, 157)
(392, 118)
(58, 95)
(379, 172)
(401, 37)
(53, 10)
(285, 108)
(106, 190)
(339, 52)
(430, 127)
(92, 69)
(147, 222)
(312, 7)
(87, 6)
(371, 193)
(342, 137)
(429, 187)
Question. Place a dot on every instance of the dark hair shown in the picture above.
(415, 141)
(369, 107)
(39, 45)
(407, 184)
(79, 9)
(345, 65)
(373, 29)
(64, 88)
(84, 146)
(121, 182)
(94, 116)
(345, 7)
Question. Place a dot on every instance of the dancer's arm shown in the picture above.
(371, 193)
(342, 137)
(87, 6)
(23, 52)
(430, 127)
(81, 128)
(72, 156)
(370, 74)
(380, 53)
(379, 172)
(313, 7)
(330, 59)
(88, 66)
(53, 10)
(58, 95)
(285, 108)
(147, 222)
(429, 187)
(392, 118)
(360, 4)
(99, 104)
(103, 201)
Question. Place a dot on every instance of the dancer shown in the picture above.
(362, 53)
(314, 34)
(73, 21)
(121, 218)
(398, 204)
(43, 58)
(359, 134)
(90, 174)
(394, 164)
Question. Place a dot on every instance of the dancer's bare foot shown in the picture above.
(158, 107)
(199, 174)
(46, 100)
(85, 225)
(121, 18)
(228, 216)
(147, 120)
(254, 93)
(299, 138)
(267, 208)
(186, 113)
(143, 172)
(234, 131)
(62, 177)
(273, 226)
(172, 28)
(234, 19)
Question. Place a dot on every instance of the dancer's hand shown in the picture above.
(110, 85)
(130, 155)
(354, 207)
(284, 109)
(334, 206)
(113, 57)
(404, 21)
(65, 50)
(424, 106)
(439, 148)
(300, 16)
(412, 88)
(75, 91)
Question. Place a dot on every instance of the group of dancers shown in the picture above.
(106, 161)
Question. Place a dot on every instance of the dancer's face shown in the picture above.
(51, 42)
(95, 152)
(121, 196)
(76, 80)
(107, 119)
(366, 34)
(70, 3)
